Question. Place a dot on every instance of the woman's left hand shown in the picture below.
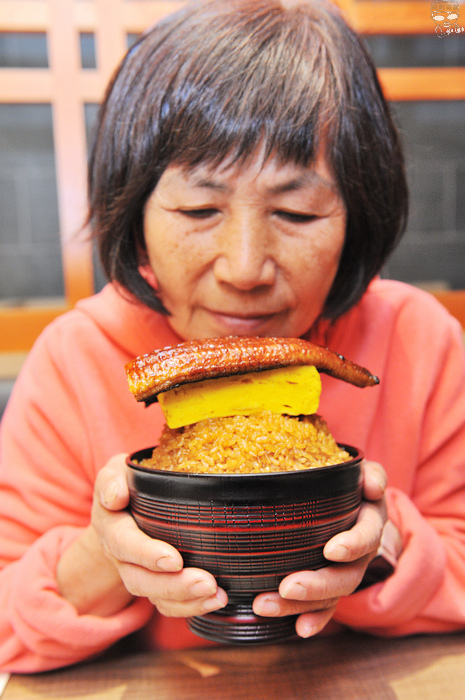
(313, 595)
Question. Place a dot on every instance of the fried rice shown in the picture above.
(261, 442)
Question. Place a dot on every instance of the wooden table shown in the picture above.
(346, 666)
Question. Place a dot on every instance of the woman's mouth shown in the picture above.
(241, 324)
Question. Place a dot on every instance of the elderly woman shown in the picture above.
(247, 179)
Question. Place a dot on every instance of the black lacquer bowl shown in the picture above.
(248, 530)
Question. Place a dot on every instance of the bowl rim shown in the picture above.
(357, 457)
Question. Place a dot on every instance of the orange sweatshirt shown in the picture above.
(71, 410)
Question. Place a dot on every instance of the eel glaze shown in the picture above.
(197, 360)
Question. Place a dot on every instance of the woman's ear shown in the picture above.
(148, 274)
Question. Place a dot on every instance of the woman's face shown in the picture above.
(249, 250)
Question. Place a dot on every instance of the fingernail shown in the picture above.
(307, 630)
(203, 589)
(268, 607)
(110, 493)
(337, 552)
(295, 591)
(212, 604)
(168, 564)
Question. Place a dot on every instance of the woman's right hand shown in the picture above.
(134, 564)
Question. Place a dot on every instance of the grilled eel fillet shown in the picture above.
(197, 360)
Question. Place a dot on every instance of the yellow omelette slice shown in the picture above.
(289, 390)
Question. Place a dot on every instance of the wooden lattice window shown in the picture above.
(85, 39)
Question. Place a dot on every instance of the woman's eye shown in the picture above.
(199, 213)
(295, 217)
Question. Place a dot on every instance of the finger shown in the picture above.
(309, 624)
(362, 539)
(111, 487)
(273, 605)
(189, 592)
(324, 584)
(374, 480)
(192, 608)
(124, 542)
(186, 585)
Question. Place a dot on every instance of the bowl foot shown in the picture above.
(238, 624)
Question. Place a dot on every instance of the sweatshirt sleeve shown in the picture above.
(47, 471)
(426, 593)
(39, 630)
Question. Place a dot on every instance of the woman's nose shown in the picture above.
(244, 260)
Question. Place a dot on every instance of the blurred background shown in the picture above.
(56, 57)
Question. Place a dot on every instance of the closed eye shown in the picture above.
(199, 213)
(295, 217)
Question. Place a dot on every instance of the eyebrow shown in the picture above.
(294, 184)
(209, 184)
(310, 177)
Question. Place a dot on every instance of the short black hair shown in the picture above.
(220, 78)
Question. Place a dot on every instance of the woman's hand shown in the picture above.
(118, 561)
(313, 595)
